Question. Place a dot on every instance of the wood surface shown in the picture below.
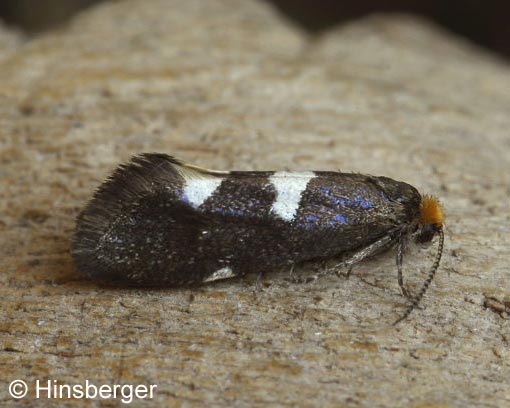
(232, 85)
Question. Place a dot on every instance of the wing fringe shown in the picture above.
(143, 174)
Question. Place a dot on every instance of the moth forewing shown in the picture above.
(158, 221)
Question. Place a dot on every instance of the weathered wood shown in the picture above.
(228, 84)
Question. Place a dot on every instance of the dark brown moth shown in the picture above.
(158, 221)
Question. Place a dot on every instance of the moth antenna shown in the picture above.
(427, 282)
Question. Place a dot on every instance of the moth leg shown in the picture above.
(258, 282)
(291, 272)
(349, 264)
(296, 279)
(400, 257)
(371, 250)
(322, 270)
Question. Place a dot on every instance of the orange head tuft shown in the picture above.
(431, 211)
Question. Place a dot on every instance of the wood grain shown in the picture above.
(230, 85)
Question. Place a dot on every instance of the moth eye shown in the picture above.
(426, 233)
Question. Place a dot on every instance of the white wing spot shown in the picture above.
(289, 188)
(198, 189)
(222, 273)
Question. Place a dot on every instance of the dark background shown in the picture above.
(485, 22)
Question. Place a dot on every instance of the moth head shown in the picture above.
(431, 219)
(430, 223)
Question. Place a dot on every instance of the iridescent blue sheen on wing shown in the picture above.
(336, 201)
(348, 200)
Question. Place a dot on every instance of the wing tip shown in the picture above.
(142, 174)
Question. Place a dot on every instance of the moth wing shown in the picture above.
(115, 229)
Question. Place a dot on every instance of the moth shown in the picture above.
(159, 221)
